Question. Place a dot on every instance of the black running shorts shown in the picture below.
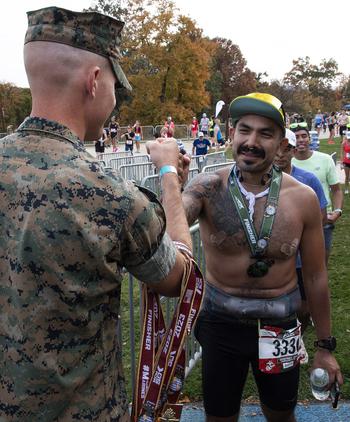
(228, 348)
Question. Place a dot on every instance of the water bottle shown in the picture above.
(319, 380)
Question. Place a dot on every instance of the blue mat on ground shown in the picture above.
(305, 413)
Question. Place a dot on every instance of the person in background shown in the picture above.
(100, 144)
(218, 138)
(170, 126)
(129, 137)
(322, 166)
(204, 124)
(345, 159)
(211, 131)
(113, 133)
(283, 160)
(138, 135)
(318, 122)
(331, 126)
(343, 120)
(200, 145)
(194, 127)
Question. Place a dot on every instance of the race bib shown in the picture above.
(113, 130)
(347, 155)
(279, 349)
(129, 142)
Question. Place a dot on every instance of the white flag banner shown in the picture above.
(218, 107)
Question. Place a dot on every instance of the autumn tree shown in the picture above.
(15, 105)
(230, 75)
(166, 59)
(318, 80)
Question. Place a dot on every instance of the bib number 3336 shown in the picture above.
(279, 349)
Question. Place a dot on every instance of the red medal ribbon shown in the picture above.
(161, 368)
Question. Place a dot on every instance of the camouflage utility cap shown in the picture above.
(91, 31)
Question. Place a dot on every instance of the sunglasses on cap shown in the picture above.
(301, 125)
(269, 99)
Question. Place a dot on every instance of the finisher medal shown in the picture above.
(258, 244)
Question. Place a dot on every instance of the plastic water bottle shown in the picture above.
(319, 380)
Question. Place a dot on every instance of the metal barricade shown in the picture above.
(137, 172)
(133, 317)
(197, 161)
(193, 173)
(107, 156)
(115, 163)
(152, 183)
(213, 167)
(214, 158)
(148, 133)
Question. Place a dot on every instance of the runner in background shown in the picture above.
(345, 159)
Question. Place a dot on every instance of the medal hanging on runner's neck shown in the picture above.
(258, 244)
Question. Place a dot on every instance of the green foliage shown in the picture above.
(15, 105)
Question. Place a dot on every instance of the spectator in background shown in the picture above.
(113, 132)
(170, 126)
(204, 124)
(194, 127)
(200, 145)
(138, 135)
(345, 159)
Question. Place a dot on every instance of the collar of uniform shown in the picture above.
(50, 126)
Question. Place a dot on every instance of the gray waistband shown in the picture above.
(281, 307)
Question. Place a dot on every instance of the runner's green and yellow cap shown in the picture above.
(258, 103)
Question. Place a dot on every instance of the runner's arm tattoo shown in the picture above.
(197, 190)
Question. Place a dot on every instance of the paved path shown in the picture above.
(305, 413)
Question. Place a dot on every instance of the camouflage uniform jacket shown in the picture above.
(67, 229)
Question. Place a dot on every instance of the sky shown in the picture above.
(270, 33)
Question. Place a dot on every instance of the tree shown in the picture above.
(15, 105)
(166, 60)
(318, 80)
(230, 75)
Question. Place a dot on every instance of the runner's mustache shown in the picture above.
(255, 151)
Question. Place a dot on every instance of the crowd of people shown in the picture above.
(69, 228)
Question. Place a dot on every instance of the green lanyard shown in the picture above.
(258, 244)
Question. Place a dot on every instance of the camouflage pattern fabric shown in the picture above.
(91, 31)
(67, 229)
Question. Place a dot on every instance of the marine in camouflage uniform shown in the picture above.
(67, 229)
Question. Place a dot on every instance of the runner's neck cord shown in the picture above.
(250, 197)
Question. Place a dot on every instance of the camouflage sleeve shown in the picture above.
(146, 250)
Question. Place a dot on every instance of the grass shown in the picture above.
(339, 283)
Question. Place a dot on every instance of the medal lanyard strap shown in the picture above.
(269, 216)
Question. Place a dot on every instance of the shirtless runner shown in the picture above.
(249, 312)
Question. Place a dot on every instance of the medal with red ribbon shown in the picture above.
(161, 369)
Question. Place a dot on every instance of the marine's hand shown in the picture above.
(324, 359)
(163, 152)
